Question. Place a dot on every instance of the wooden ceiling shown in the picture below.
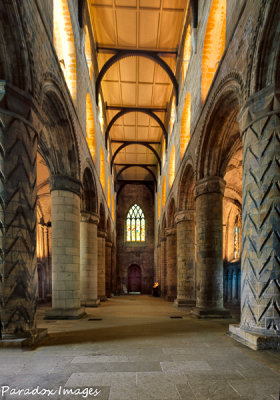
(137, 81)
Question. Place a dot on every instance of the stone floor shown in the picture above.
(138, 352)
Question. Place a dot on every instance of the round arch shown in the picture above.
(130, 110)
(134, 53)
(89, 193)
(57, 141)
(140, 144)
(137, 165)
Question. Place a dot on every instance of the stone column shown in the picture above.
(114, 269)
(65, 196)
(157, 277)
(234, 286)
(101, 266)
(108, 260)
(163, 287)
(209, 233)
(185, 258)
(171, 264)
(88, 254)
(229, 282)
(18, 267)
(260, 295)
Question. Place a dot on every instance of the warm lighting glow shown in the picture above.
(108, 193)
(163, 152)
(187, 52)
(214, 44)
(100, 113)
(156, 284)
(102, 169)
(163, 195)
(159, 207)
(88, 52)
(172, 166)
(113, 207)
(90, 127)
(185, 125)
(64, 43)
(172, 116)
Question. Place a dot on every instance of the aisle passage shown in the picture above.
(131, 349)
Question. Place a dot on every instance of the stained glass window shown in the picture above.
(135, 225)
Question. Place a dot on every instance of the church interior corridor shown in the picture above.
(140, 199)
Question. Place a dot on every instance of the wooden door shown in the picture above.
(134, 278)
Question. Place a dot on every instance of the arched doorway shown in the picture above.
(134, 279)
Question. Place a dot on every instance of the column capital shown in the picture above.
(64, 182)
(108, 243)
(211, 184)
(186, 215)
(89, 217)
(260, 105)
(101, 234)
(170, 231)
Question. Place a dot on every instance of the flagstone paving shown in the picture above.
(137, 352)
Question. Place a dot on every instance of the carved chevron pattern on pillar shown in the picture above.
(260, 300)
(18, 295)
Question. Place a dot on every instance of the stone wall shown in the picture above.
(141, 254)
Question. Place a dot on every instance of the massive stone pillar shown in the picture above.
(88, 255)
(209, 234)
(108, 261)
(260, 267)
(18, 269)
(65, 196)
(157, 277)
(114, 269)
(185, 258)
(171, 264)
(101, 266)
(163, 287)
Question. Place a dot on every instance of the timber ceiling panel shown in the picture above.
(136, 81)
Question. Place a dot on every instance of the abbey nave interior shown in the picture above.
(140, 199)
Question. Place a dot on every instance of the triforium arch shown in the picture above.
(124, 145)
(15, 60)
(264, 69)
(140, 53)
(89, 198)
(186, 187)
(217, 139)
(57, 140)
(121, 113)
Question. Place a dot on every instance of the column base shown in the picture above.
(28, 341)
(103, 298)
(90, 303)
(255, 341)
(170, 298)
(62, 313)
(184, 303)
(210, 313)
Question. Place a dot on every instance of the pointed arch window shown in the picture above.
(135, 225)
